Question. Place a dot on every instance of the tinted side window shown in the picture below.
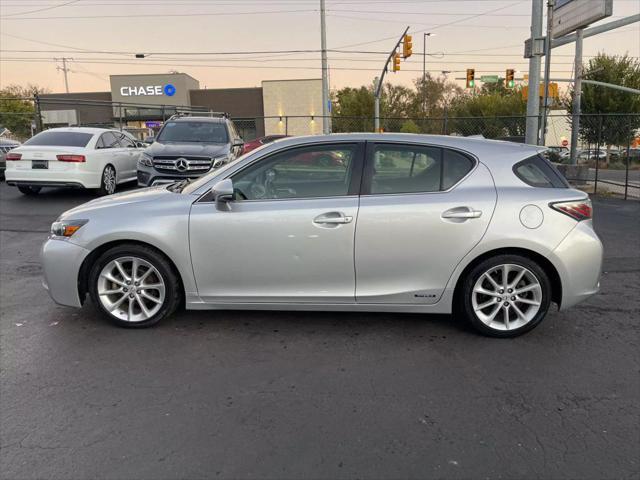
(126, 141)
(109, 140)
(454, 167)
(307, 172)
(405, 169)
(537, 172)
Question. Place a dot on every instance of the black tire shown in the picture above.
(173, 290)
(465, 301)
(29, 189)
(106, 186)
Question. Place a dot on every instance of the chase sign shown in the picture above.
(148, 90)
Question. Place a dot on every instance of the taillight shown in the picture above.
(13, 156)
(576, 209)
(71, 158)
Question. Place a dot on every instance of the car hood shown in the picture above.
(119, 200)
(199, 149)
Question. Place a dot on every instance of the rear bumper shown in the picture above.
(19, 183)
(61, 261)
(578, 259)
(51, 178)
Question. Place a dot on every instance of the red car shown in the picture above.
(258, 142)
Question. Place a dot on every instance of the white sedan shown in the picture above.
(74, 157)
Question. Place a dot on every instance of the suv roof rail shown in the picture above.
(200, 114)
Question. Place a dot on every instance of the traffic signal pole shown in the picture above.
(380, 81)
(547, 72)
(325, 71)
(533, 99)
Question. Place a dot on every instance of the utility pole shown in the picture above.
(325, 71)
(65, 70)
(533, 100)
(547, 71)
(577, 97)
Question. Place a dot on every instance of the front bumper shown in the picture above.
(578, 259)
(61, 262)
(151, 178)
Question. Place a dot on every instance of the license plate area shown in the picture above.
(39, 164)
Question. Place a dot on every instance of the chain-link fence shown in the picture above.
(607, 156)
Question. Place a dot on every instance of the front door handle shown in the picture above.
(333, 218)
(462, 213)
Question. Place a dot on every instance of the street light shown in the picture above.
(424, 68)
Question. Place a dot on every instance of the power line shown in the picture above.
(42, 9)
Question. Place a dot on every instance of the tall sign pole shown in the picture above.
(547, 71)
(325, 71)
(533, 99)
(577, 98)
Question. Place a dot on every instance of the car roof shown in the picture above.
(191, 118)
(482, 148)
(91, 130)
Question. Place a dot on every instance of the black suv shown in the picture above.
(188, 147)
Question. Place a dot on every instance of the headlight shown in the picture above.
(145, 160)
(220, 161)
(66, 228)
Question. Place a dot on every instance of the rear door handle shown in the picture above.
(462, 213)
(333, 218)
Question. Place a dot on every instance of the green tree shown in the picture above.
(409, 126)
(353, 109)
(493, 115)
(433, 95)
(16, 111)
(596, 99)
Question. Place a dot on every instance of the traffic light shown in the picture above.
(471, 75)
(509, 82)
(396, 62)
(407, 46)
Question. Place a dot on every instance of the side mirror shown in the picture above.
(222, 193)
(149, 140)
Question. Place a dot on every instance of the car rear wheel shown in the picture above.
(107, 181)
(134, 286)
(506, 296)
(29, 189)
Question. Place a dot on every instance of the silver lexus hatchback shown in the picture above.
(486, 230)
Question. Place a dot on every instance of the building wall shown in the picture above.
(298, 100)
(85, 112)
(244, 105)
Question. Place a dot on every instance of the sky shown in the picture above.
(205, 38)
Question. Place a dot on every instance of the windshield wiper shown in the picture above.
(178, 186)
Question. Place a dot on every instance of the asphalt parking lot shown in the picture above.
(315, 395)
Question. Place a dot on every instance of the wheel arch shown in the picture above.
(87, 263)
(545, 264)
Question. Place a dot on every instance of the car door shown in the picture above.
(422, 210)
(129, 153)
(288, 235)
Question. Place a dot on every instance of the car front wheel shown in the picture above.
(506, 296)
(134, 286)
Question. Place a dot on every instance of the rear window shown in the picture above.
(537, 172)
(60, 139)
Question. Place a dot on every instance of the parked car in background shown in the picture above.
(591, 154)
(258, 142)
(73, 157)
(5, 146)
(405, 223)
(557, 154)
(187, 147)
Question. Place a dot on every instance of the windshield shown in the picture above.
(60, 139)
(197, 132)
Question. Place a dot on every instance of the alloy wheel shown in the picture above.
(109, 180)
(131, 289)
(506, 297)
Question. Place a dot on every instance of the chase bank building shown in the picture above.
(141, 103)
